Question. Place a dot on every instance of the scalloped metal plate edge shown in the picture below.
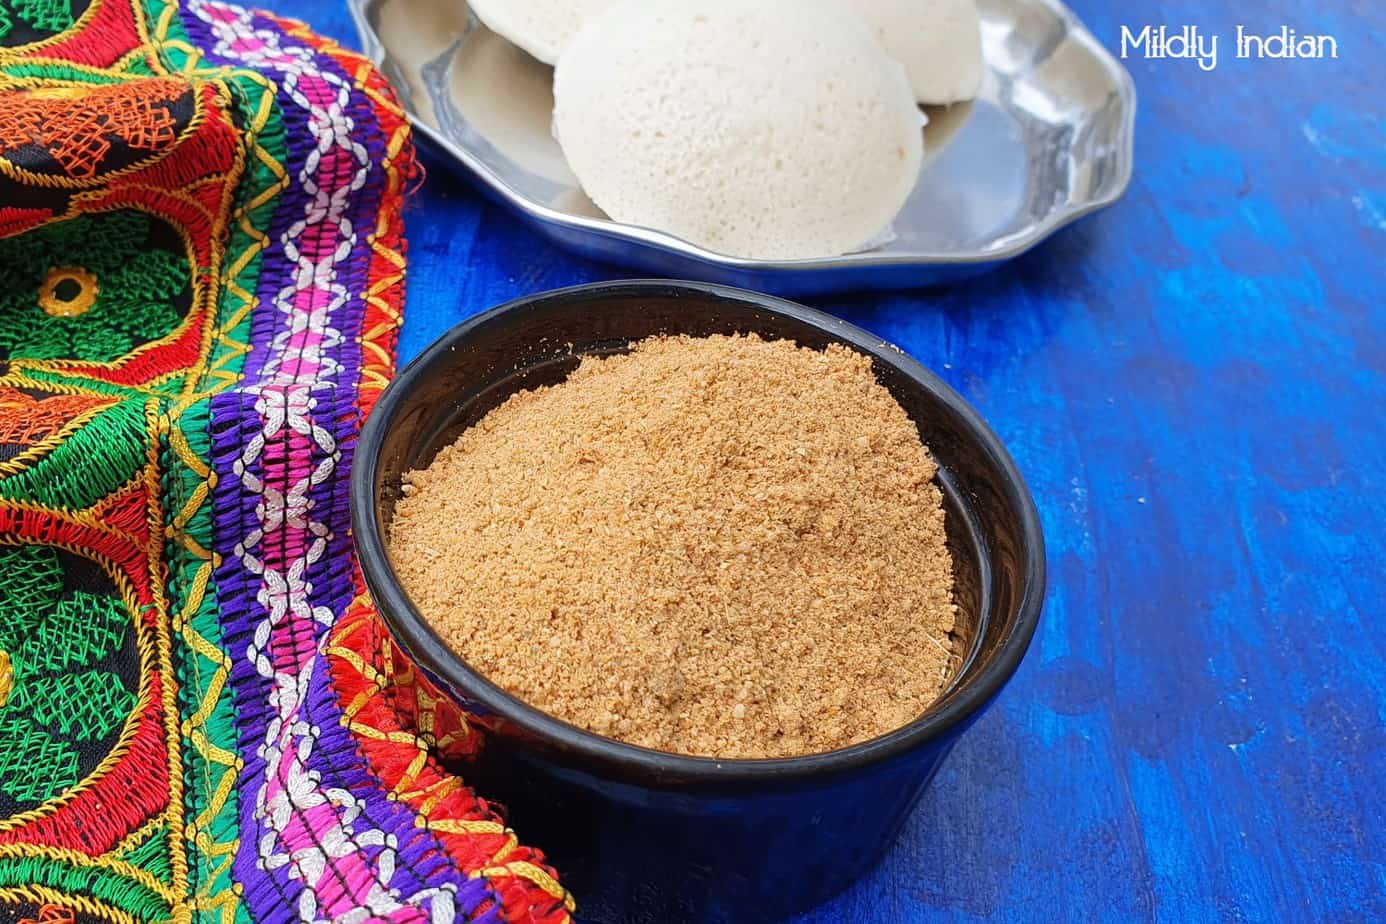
(1051, 139)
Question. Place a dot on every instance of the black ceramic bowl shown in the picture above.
(645, 836)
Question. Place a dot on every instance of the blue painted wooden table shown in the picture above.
(1194, 384)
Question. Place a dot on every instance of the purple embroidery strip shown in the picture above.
(319, 838)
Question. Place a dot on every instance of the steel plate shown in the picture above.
(1048, 139)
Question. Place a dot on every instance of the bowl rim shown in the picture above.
(590, 750)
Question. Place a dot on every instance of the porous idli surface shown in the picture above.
(774, 129)
(938, 41)
(540, 27)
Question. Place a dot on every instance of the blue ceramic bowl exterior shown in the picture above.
(646, 836)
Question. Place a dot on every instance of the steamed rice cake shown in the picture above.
(778, 129)
(938, 41)
(540, 27)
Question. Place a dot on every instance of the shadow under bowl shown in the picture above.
(648, 836)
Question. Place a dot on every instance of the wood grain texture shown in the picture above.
(1193, 383)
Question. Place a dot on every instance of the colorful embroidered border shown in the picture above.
(278, 759)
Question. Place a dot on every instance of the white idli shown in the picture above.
(778, 129)
(938, 41)
(540, 27)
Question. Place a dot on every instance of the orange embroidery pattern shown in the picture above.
(77, 125)
(51, 914)
(26, 421)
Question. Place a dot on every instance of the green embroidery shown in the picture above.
(61, 698)
(151, 854)
(134, 272)
(43, 17)
(229, 351)
(35, 765)
(103, 885)
(52, 70)
(94, 462)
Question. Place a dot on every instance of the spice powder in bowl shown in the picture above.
(724, 547)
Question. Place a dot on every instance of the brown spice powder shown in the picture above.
(725, 546)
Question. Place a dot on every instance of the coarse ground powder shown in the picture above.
(724, 546)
